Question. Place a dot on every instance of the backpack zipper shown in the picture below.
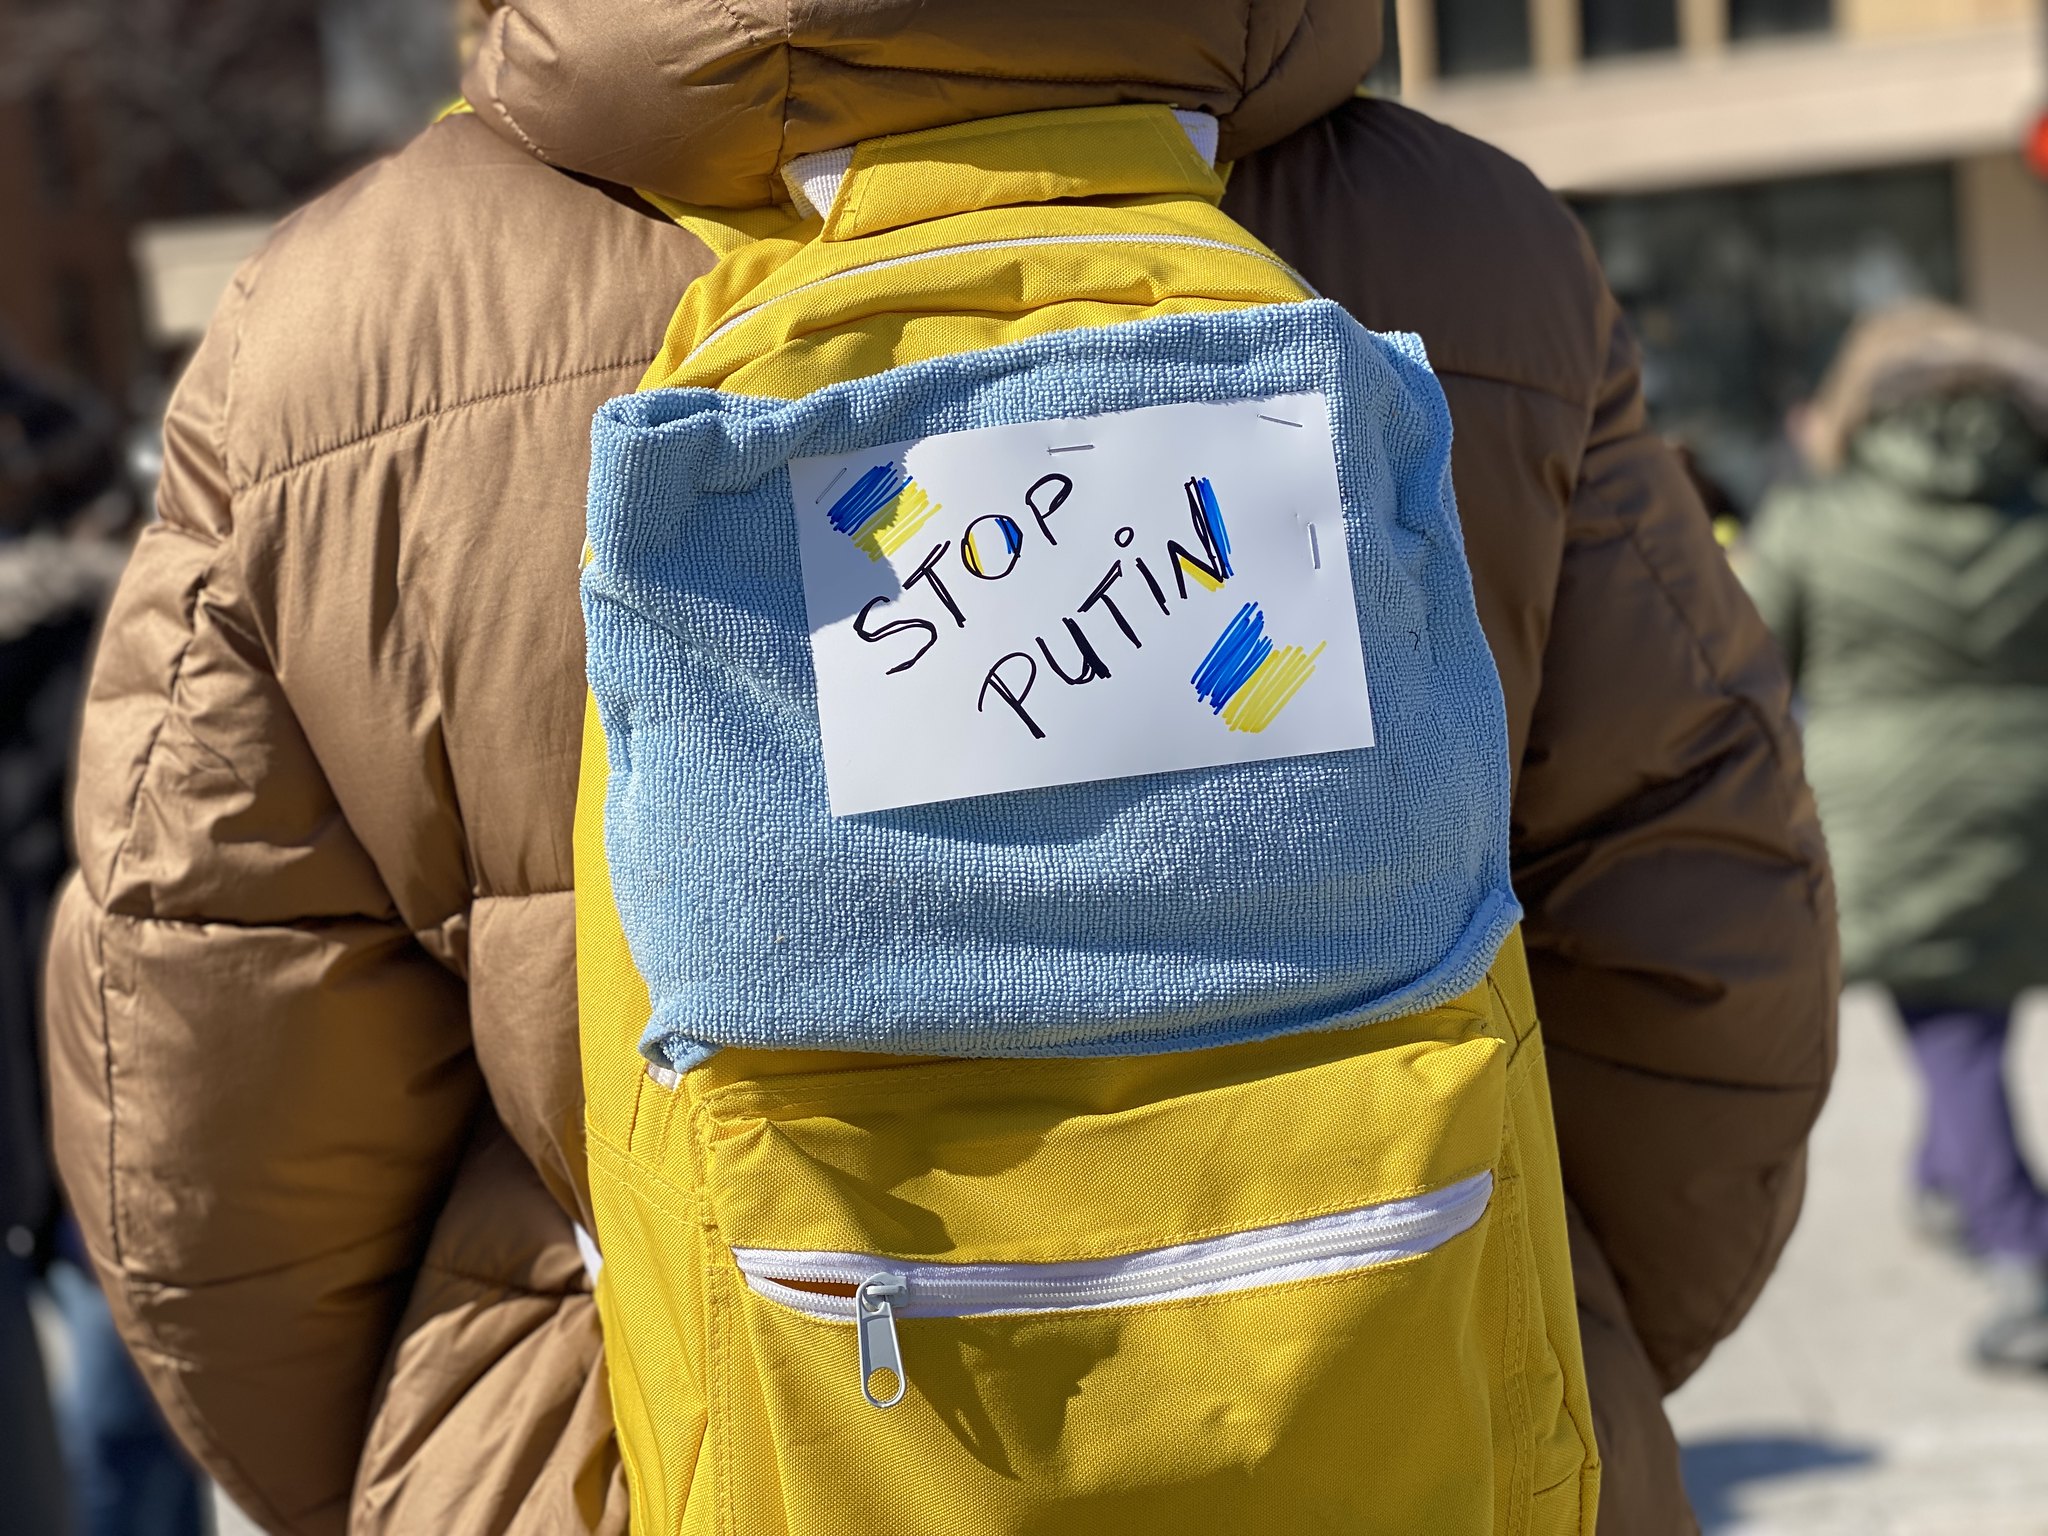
(1012, 243)
(880, 1290)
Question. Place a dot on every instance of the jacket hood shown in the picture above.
(1895, 356)
(704, 100)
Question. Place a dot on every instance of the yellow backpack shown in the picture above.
(1058, 1052)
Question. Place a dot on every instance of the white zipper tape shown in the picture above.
(885, 1289)
(1356, 1239)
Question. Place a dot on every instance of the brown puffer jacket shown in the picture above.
(312, 1006)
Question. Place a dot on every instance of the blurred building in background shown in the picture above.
(1755, 172)
(146, 145)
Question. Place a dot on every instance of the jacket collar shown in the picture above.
(705, 101)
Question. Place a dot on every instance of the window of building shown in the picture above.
(1740, 295)
(1609, 28)
(1476, 37)
(1778, 18)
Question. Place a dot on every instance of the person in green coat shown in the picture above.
(1908, 585)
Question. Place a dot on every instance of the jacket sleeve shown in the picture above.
(1680, 915)
(260, 1077)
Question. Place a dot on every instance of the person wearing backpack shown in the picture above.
(315, 992)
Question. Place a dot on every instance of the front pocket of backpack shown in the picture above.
(1244, 1289)
(872, 1293)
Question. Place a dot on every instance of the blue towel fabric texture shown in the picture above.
(1132, 915)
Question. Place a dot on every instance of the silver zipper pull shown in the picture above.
(875, 1319)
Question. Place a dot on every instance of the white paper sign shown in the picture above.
(1062, 601)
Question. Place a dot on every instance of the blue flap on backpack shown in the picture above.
(1115, 916)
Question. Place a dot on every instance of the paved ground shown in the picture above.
(1845, 1407)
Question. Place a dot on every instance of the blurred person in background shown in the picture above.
(312, 995)
(1908, 585)
(65, 520)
